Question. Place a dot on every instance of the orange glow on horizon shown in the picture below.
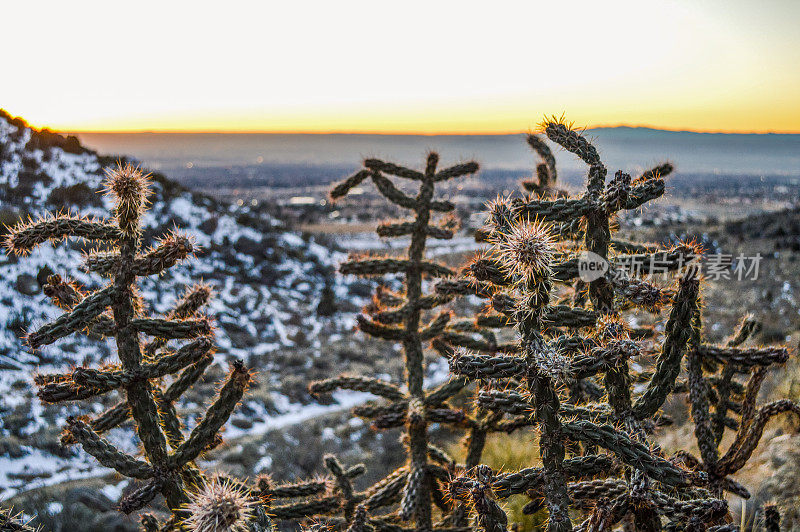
(409, 124)
(445, 67)
(466, 130)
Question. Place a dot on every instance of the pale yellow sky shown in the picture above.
(413, 66)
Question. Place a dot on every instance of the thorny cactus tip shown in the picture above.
(219, 506)
(129, 187)
(526, 250)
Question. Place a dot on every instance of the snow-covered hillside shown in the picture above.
(268, 284)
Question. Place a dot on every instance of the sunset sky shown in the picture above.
(413, 66)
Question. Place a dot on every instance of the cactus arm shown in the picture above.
(470, 342)
(171, 329)
(341, 189)
(611, 359)
(532, 479)
(170, 250)
(361, 384)
(81, 315)
(445, 391)
(458, 170)
(746, 441)
(634, 248)
(565, 316)
(703, 431)
(113, 417)
(390, 230)
(748, 358)
(557, 210)
(572, 141)
(217, 414)
(387, 490)
(660, 171)
(643, 193)
(26, 236)
(380, 330)
(442, 206)
(436, 326)
(481, 366)
(141, 496)
(678, 332)
(399, 315)
(303, 509)
(107, 454)
(376, 165)
(543, 150)
(392, 193)
(631, 452)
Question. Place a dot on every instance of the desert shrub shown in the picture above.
(209, 225)
(77, 195)
(26, 184)
(45, 139)
(327, 301)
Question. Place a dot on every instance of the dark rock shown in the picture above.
(27, 284)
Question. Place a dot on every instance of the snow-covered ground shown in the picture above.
(267, 285)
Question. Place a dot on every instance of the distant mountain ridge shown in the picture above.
(679, 131)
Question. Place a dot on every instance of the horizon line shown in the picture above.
(409, 133)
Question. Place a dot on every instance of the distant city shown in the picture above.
(307, 159)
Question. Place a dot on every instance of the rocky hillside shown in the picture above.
(275, 291)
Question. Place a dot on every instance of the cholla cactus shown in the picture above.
(398, 318)
(734, 405)
(116, 311)
(569, 375)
